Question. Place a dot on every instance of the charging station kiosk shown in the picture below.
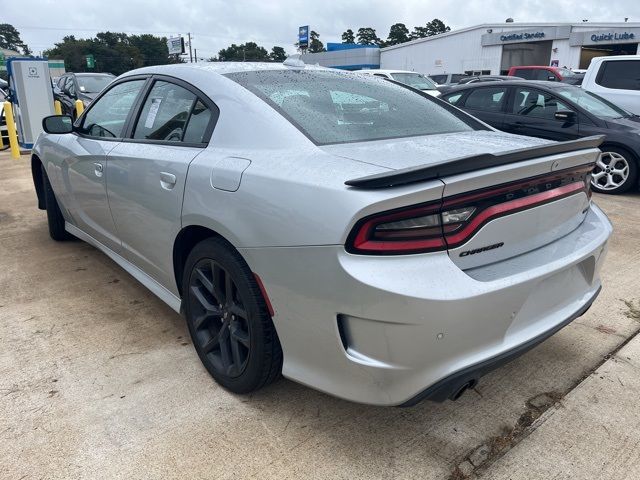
(31, 96)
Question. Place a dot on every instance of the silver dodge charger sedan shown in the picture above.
(354, 234)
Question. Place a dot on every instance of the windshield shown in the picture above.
(335, 107)
(592, 103)
(93, 84)
(565, 72)
(414, 80)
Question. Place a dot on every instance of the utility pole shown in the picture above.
(190, 54)
(195, 54)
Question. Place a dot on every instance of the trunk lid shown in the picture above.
(519, 199)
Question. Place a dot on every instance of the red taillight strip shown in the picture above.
(512, 206)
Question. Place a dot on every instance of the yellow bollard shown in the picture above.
(11, 130)
(79, 108)
(57, 106)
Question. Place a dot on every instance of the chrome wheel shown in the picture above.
(611, 172)
(219, 318)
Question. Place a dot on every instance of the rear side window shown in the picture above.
(107, 115)
(486, 99)
(165, 113)
(620, 74)
(526, 73)
(334, 107)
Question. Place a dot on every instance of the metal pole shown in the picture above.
(11, 130)
(195, 54)
(190, 55)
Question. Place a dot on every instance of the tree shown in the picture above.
(367, 36)
(246, 52)
(434, 27)
(10, 39)
(278, 54)
(315, 45)
(113, 52)
(398, 33)
(348, 37)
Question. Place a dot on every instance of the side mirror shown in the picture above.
(57, 124)
(565, 115)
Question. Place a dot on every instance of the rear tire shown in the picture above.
(228, 318)
(54, 215)
(616, 171)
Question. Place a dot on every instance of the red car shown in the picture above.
(541, 72)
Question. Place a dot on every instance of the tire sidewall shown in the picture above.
(216, 249)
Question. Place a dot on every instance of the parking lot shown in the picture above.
(98, 379)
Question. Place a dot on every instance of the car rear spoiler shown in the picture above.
(470, 163)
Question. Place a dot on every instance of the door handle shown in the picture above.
(167, 180)
(98, 169)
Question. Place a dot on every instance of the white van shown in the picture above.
(617, 79)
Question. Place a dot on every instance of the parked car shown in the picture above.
(447, 78)
(413, 79)
(556, 111)
(617, 79)
(347, 230)
(79, 86)
(4, 136)
(478, 79)
(541, 72)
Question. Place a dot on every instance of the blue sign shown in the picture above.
(610, 37)
(521, 36)
(303, 36)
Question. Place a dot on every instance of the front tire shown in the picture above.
(228, 318)
(54, 215)
(616, 171)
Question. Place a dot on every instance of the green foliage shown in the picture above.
(398, 33)
(278, 54)
(113, 52)
(10, 39)
(246, 52)
(434, 27)
(367, 36)
(315, 45)
(348, 36)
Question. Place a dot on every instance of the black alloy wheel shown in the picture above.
(228, 318)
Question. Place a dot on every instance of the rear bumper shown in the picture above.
(395, 330)
(454, 385)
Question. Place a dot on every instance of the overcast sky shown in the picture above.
(216, 24)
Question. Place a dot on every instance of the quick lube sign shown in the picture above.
(512, 37)
(611, 37)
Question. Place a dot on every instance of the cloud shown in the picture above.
(217, 23)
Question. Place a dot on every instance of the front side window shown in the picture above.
(534, 103)
(172, 113)
(592, 103)
(486, 99)
(334, 107)
(620, 74)
(107, 115)
(526, 73)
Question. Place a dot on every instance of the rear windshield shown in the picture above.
(336, 107)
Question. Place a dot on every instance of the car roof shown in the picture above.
(89, 74)
(220, 68)
(380, 70)
(517, 83)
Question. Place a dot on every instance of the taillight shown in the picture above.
(449, 223)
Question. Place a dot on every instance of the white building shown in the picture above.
(493, 48)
